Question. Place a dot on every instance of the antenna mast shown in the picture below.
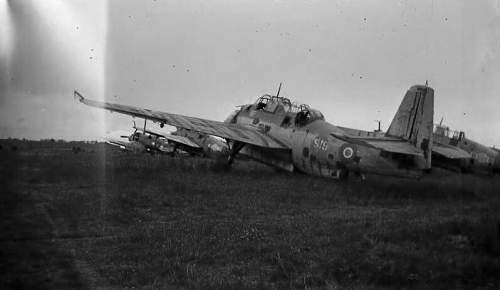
(279, 89)
(379, 127)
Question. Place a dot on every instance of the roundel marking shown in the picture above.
(348, 152)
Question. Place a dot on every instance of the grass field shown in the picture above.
(106, 219)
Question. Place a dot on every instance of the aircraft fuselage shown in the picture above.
(483, 157)
(314, 150)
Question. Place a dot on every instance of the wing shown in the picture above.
(389, 144)
(148, 132)
(235, 132)
(174, 138)
(450, 152)
(181, 140)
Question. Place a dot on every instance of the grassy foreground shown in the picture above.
(107, 219)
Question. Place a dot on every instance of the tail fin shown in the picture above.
(414, 120)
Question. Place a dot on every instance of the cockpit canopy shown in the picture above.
(303, 113)
(445, 131)
(271, 103)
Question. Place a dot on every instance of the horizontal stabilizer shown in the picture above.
(388, 144)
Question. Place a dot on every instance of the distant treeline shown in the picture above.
(26, 144)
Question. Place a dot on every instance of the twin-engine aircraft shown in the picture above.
(293, 137)
(181, 140)
(472, 155)
(141, 141)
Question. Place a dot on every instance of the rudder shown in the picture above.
(414, 120)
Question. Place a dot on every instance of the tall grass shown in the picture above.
(153, 221)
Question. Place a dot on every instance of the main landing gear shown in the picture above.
(237, 146)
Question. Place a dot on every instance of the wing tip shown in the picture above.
(78, 96)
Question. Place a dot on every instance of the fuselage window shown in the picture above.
(302, 118)
(286, 121)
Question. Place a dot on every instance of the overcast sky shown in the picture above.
(353, 60)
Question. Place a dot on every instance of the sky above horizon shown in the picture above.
(353, 60)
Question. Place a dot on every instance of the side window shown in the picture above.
(302, 118)
(261, 105)
(286, 121)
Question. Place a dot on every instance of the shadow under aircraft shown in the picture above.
(295, 137)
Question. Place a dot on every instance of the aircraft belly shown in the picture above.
(278, 158)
